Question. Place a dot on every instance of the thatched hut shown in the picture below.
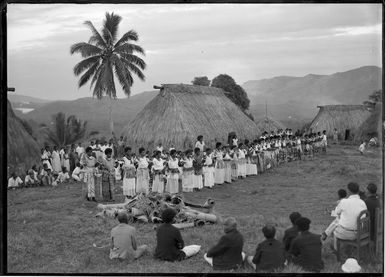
(347, 119)
(372, 126)
(180, 112)
(22, 149)
(269, 124)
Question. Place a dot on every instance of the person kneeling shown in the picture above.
(170, 245)
(123, 241)
(227, 254)
(270, 254)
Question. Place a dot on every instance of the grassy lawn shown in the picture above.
(52, 230)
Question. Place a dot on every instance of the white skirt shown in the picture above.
(219, 175)
(158, 183)
(208, 175)
(242, 168)
(188, 181)
(251, 169)
(172, 185)
(198, 181)
(227, 176)
(129, 186)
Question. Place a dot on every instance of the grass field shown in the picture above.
(51, 230)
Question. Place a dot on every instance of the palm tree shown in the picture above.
(105, 55)
(64, 131)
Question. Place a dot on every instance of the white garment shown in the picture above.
(191, 250)
(157, 164)
(348, 211)
(200, 145)
(235, 141)
(28, 179)
(79, 150)
(14, 183)
(62, 177)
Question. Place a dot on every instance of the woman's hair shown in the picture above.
(108, 151)
(199, 137)
(172, 152)
(141, 150)
(88, 149)
(196, 150)
(218, 144)
(127, 148)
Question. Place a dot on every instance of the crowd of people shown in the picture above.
(298, 246)
(101, 164)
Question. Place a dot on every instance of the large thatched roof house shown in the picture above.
(347, 119)
(179, 113)
(269, 124)
(22, 150)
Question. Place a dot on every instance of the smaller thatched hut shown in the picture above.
(180, 112)
(347, 119)
(372, 126)
(22, 149)
(269, 124)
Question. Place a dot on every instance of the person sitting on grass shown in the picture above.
(270, 254)
(372, 202)
(77, 173)
(169, 242)
(306, 248)
(292, 232)
(329, 230)
(15, 181)
(30, 179)
(123, 240)
(227, 253)
(63, 176)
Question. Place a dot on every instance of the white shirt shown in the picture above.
(235, 141)
(142, 162)
(200, 145)
(76, 171)
(157, 164)
(348, 211)
(79, 150)
(188, 163)
(173, 163)
(14, 183)
(362, 147)
(28, 179)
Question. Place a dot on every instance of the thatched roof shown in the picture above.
(341, 117)
(269, 124)
(179, 113)
(23, 150)
(372, 126)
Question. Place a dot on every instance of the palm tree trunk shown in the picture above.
(111, 121)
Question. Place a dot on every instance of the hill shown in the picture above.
(293, 99)
(95, 111)
(24, 104)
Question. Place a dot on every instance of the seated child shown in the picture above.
(15, 181)
(270, 254)
(63, 175)
(77, 173)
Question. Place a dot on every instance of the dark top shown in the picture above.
(227, 254)
(288, 237)
(372, 202)
(169, 243)
(270, 255)
(306, 251)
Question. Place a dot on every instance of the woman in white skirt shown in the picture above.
(198, 164)
(129, 173)
(172, 185)
(234, 162)
(142, 173)
(188, 173)
(219, 165)
(251, 168)
(241, 162)
(208, 170)
(227, 161)
(157, 170)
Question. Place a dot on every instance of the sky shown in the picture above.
(182, 41)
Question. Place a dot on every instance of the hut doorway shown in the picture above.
(347, 134)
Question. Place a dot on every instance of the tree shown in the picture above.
(105, 57)
(201, 81)
(374, 98)
(235, 92)
(65, 131)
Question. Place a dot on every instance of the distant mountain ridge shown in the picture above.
(293, 99)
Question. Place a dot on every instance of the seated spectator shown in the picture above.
(169, 242)
(30, 179)
(372, 202)
(348, 211)
(306, 248)
(292, 232)
(329, 230)
(63, 175)
(15, 181)
(227, 253)
(123, 241)
(43, 175)
(77, 173)
(270, 254)
(35, 171)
